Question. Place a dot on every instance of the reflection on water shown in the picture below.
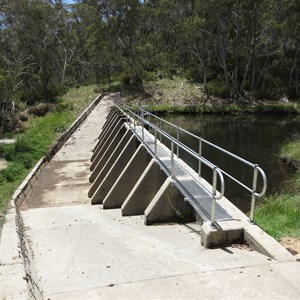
(255, 138)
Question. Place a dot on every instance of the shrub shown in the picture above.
(11, 173)
(217, 87)
(22, 146)
(125, 79)
(149, 76)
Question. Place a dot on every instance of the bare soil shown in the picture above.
(3, 164)
(291, 244)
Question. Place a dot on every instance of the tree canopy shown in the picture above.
(237, 49)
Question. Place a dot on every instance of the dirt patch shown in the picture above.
(3, 164)
(291, 244)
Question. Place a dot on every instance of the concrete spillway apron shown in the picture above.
(139, 176)
(140, 179)
(80, 251)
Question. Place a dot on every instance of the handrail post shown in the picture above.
(177, 137)
(149, 121)
(134, 124)
(129, 118)
(155, 137)
(253, 196)
(213, 204)
(160, 129)
(200, 154)
(143, 137)
(172, 158)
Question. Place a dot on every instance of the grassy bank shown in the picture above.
(38, 139)
(279, 214)
(228, 108)
(180, 96)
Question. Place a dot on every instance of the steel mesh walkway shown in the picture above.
(185, 178)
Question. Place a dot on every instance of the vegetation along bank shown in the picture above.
(279, 214)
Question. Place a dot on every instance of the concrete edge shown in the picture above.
(26, 187)
(22, 192)
(73, 127)
(239, 230)
(255, 237)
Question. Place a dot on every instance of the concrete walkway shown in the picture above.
(84, 252)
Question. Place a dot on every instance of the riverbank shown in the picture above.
(180, 96)
(279, 214)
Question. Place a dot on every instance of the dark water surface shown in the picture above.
(255, 138)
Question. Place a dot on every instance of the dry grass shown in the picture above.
(168, 92)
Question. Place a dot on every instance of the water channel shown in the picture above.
(254, 138)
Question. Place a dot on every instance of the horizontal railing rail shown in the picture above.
(256, 169)
(144, 118)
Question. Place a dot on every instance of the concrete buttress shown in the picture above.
(111, 118)
(168, 205)
(109, 174)
(108, 147)
(126, 147)
(144, 190)
(126, 180)
(113, 150)
(106, 142)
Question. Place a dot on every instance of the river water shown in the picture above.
(254, 138)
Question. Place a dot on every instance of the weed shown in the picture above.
(279, 214)
(180, 216)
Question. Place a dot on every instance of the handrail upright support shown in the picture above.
(253, 196)
(214, 192)
(143, 124)
(134, 124)
(200, 154)
(155, 139)
(160, 129)
(177, 137)
(148, 120)
(172, 158)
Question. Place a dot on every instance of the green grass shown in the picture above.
(291, 151)
(38, 139)
(279, 214)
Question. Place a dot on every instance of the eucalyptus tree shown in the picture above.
(292, 49)
(124, 21)
(37, 31)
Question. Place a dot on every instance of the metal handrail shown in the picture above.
(132, 116)
(256, 168)
(179, 145)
